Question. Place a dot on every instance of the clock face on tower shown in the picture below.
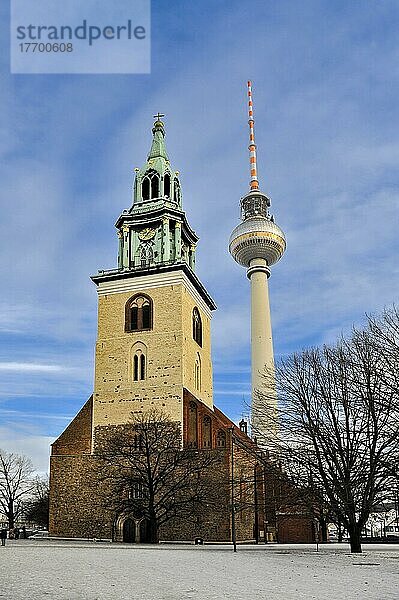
(146, 234)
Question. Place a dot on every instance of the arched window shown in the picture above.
(166, 185)
(197, 373)
(197, 327)
(207, 432)
(145, 188)
(155, 186)
(138, 314)
(192, 425)
(150, 185)
(221, 439)
(139, 352)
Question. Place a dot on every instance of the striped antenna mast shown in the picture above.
(252, 146)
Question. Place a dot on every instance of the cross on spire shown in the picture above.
(158, 116)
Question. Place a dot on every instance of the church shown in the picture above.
(153, 350)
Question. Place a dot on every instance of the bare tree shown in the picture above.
(37, 506)
(336, 428)
(16, 474)
(151, 475)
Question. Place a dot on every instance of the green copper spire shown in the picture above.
(155, 232)
(158, 149)
(156, 181)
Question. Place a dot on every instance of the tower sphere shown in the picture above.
(257, 237)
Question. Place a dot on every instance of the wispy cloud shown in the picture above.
(32, 367)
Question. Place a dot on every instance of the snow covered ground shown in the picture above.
(73, 570)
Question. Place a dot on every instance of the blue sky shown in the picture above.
(325, 79)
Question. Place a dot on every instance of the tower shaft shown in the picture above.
(262, 357)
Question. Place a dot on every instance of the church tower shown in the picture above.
(154, 315)
(257, 243)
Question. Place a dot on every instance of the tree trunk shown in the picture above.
(153, 530)
(153, 533)
(10, 515)
(354, 539)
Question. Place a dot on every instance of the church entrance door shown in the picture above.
(129, 531)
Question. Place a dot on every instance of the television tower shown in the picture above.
(257, 243)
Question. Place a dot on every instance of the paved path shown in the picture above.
(57, 570)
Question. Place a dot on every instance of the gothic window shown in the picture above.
(197, 373)
(221, 439)
(207, 432)
(138, 314)
(197, 327)
(139, 365)
(166, 185)
(155, 186)
(145, 188)
(192, 425)
(150, 185)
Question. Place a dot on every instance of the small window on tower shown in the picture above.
(139, 360)
(145, 188)
(154, 186)
(166, 185)
(150, 185)
(138, 313)
(197, 327)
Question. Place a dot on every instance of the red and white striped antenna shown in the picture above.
(252, 146)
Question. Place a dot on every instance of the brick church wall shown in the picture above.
(76, 439)
(77, 507)
(77, 500)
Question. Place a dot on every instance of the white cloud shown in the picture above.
(23, 367)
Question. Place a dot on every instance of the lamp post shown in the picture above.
(256, 504)
(233, 518)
